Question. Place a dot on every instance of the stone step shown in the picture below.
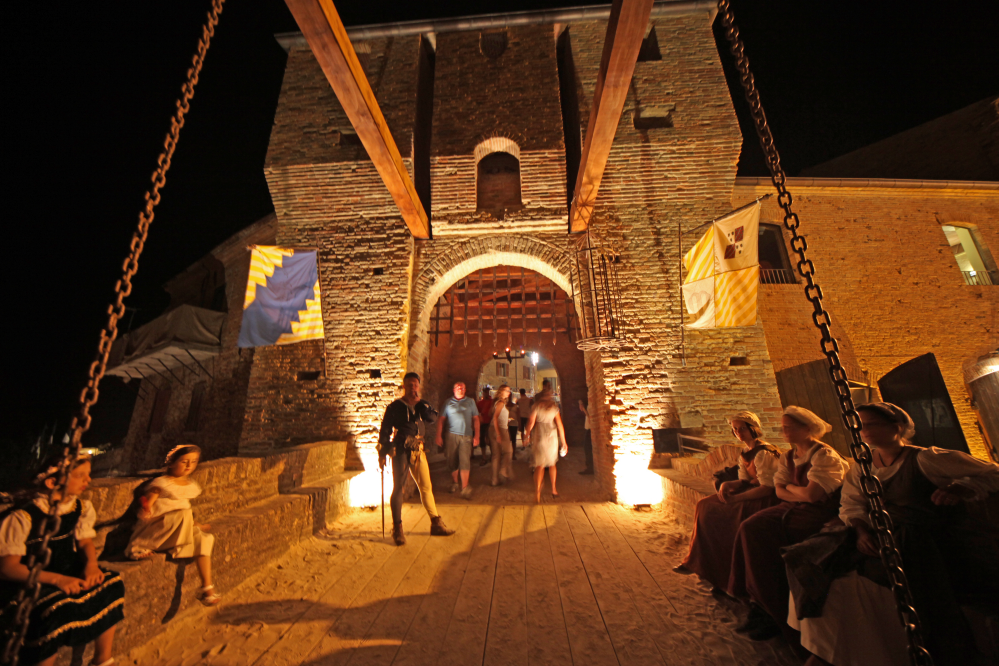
(258, 505)
(682, 492)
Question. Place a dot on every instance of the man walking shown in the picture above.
(485, 407)
(401, 437)
(462, 417)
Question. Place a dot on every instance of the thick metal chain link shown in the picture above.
(870, 485)
(28, 596)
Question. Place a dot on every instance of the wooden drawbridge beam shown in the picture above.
(625, 30)
(323, 30)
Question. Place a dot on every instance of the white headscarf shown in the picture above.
(816, 426)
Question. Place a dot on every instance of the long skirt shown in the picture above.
(174, 532)
(858, 627)
(60, 619)
(758, 570)
(713, 538)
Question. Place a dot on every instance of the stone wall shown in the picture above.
(889, 278)
(218, 430)
(379, 285)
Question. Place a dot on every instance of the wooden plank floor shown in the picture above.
(571, 583)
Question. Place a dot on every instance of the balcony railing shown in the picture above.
(981, 278)
(776, 276)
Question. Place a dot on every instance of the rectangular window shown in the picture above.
(527, 373)
(160, 404)
(501, 370)
(971, 261)
(193, 423)
(774, 265)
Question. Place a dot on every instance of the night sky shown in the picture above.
(89, 89)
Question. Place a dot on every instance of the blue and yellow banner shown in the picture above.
(282, 298)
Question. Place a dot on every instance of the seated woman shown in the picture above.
(717, 517)
(849, 618)
(79, 602)
(808, 480)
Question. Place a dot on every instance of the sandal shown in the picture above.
(208, 596)
(109, 662)
(138, 554)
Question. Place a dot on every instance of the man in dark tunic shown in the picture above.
(401, 437)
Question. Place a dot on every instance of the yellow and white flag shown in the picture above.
(723, 272)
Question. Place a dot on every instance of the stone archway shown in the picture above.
(467, 256)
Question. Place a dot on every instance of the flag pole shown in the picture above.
(679, 281)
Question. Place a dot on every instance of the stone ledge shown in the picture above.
(258, 508)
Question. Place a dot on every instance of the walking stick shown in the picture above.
(383, 501)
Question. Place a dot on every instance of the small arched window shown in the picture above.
(498, 182)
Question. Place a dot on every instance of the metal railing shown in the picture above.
(981, 278)
(776, 276)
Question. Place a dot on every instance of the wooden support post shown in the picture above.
(323, 30)
(625, 31)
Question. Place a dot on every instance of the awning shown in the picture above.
(186, 336)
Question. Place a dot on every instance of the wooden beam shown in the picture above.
(625, 31)
(320, 24)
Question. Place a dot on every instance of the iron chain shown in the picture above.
(870, 485)
(28, 595)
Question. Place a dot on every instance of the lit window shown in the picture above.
(975, 265)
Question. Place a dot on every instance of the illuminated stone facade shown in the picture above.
(881, 257)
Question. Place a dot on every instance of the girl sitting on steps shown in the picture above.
(166, 523)
(80, 602)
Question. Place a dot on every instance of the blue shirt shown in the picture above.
(459, 415)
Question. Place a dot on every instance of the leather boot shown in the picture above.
(438, 528)
(397, 535)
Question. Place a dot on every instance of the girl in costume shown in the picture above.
(166, 523)
(717, 517)
(79, 601)
(807, 480)
(842, 602)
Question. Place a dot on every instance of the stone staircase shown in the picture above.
(258, 507)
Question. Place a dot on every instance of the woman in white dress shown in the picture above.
(499, 437)
(547, 442)
(949, 559)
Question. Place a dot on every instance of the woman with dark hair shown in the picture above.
(166, 523)
(717, 517)
(808, 480)
(80, 602)
(846, 614)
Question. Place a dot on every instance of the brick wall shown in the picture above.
(889, 278)
(656, 182)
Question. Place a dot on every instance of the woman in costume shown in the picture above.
(807, 482)
(847, 616)
(717, 517)
(80, 602)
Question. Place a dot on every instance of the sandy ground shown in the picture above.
(569, 582)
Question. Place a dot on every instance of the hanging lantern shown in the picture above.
(596, 292)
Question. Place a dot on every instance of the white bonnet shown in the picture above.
(816, 426)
